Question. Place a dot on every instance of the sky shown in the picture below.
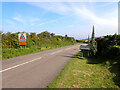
(75, 19)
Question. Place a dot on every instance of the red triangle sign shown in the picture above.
(22, 36)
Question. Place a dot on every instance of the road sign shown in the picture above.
(22, 43)
(22, 38)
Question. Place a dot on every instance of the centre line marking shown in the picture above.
(67, 48)
(56, 52)
(20, 64)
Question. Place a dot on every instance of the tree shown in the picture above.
(44, 34)
(66, 35)
(52, 34)
(8, 33)
(33, 35)
(93, 45)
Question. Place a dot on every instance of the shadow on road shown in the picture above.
(70, 56)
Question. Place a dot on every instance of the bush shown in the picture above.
(109, 48)
(35, 43)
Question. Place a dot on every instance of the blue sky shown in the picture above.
(74, 19)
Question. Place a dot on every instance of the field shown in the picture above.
(84, 73)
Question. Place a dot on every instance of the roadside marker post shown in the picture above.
(22, 39)
(21, 47)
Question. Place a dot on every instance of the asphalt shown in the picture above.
(36, 70)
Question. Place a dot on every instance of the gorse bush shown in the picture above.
(109, 50)
(35, 43)
(113, 52)
(108, 47)
(10, 40)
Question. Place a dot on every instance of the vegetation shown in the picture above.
(100, 70)
(35, 43)
(81, 41)
(93, 44)
(107, 50)
(109, 53)
(108, 47)
(82, 72)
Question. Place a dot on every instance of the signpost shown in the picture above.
(22, 39)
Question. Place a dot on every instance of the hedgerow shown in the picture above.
(35, 43)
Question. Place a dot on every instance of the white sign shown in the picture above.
(22, 36)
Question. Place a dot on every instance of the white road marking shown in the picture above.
(20, 64)
(59, 51)
(30, 61)
(67, 48)
(56, 52)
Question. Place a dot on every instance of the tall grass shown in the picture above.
(13, 52)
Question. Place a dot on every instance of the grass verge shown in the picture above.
(79, 74)
(13, 52)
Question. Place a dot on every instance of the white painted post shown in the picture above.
(88, 53)
(82, 54)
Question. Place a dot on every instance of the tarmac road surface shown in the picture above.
(36, 70)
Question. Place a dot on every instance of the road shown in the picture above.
(36, 70)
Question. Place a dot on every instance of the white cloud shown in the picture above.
(32, 24)
(52, 21)
(10, 22)
(18, 19)
(89, 15)
(55, 7)
(34, 19)
(70, 26)
(79, 11)
(106, 4)
(105, 24)
(26, 21)
(41, 24)
(60, 0)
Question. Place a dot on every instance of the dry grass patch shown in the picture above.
(79, 74)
